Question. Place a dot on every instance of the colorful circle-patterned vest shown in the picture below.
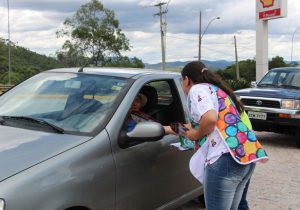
(242, 142)
(239, 139)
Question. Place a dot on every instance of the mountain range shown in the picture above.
(213, 65)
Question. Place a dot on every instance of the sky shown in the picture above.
(33, 25)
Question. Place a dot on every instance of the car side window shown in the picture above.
(163, 92)
(282, 78)
(296, 80)
(168, 107)
(163, 104)
(269, 78)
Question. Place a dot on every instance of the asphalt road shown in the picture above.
(276, 184)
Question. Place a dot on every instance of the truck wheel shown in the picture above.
(298, 141)
(297, 138)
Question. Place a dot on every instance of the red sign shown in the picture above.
(270, 13)
(270, 9)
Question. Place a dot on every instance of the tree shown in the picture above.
(247, 71)
(293, 64)
(248, 68)
(277, 62)
(24, 63)
(93, 32)
(124, 61)
(70, 56)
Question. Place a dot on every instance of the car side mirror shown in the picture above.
(253, 84)
(147, 131)
(142, 132)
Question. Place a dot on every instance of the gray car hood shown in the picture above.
(20, 148)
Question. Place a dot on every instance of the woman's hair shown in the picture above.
(198, 73)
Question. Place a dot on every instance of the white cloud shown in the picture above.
(185, 46)
(34, 28)
(44, 42)
(28, 20)
(149, 2)
(144, 45)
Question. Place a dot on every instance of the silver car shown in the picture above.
(64, 143)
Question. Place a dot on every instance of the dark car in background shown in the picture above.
(274, 104)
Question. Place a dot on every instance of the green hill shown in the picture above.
(212, 65)
(24, 63)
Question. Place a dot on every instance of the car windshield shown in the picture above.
(283, 78)
(69, 102)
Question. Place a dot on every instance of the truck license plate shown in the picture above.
(257, 115)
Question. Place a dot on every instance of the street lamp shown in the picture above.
(202, 34)
(293, 43)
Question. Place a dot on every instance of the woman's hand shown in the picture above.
(206, 125)
(192, 134)
(188, 126)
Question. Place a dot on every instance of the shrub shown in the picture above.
(237, 84)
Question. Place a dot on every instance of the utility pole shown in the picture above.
(9, 52)
(200, 39)
(236, 61)
(162, 33)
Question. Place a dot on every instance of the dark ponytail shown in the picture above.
(198, 73)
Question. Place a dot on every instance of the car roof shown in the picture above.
(118, 72)
(286, 68)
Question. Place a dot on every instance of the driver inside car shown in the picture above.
(135, 115)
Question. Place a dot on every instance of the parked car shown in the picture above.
(274, 104)
(64, 144)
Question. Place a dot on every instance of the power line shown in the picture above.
(188, 39)
(213, 51)
(218, 51)
(168, 5)
(175, 37)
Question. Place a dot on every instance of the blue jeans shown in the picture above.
(224, 183)
(244, 203)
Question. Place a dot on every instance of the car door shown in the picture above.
(152, 174)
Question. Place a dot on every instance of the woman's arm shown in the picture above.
(207, 124)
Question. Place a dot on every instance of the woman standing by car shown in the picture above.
(227, 149)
